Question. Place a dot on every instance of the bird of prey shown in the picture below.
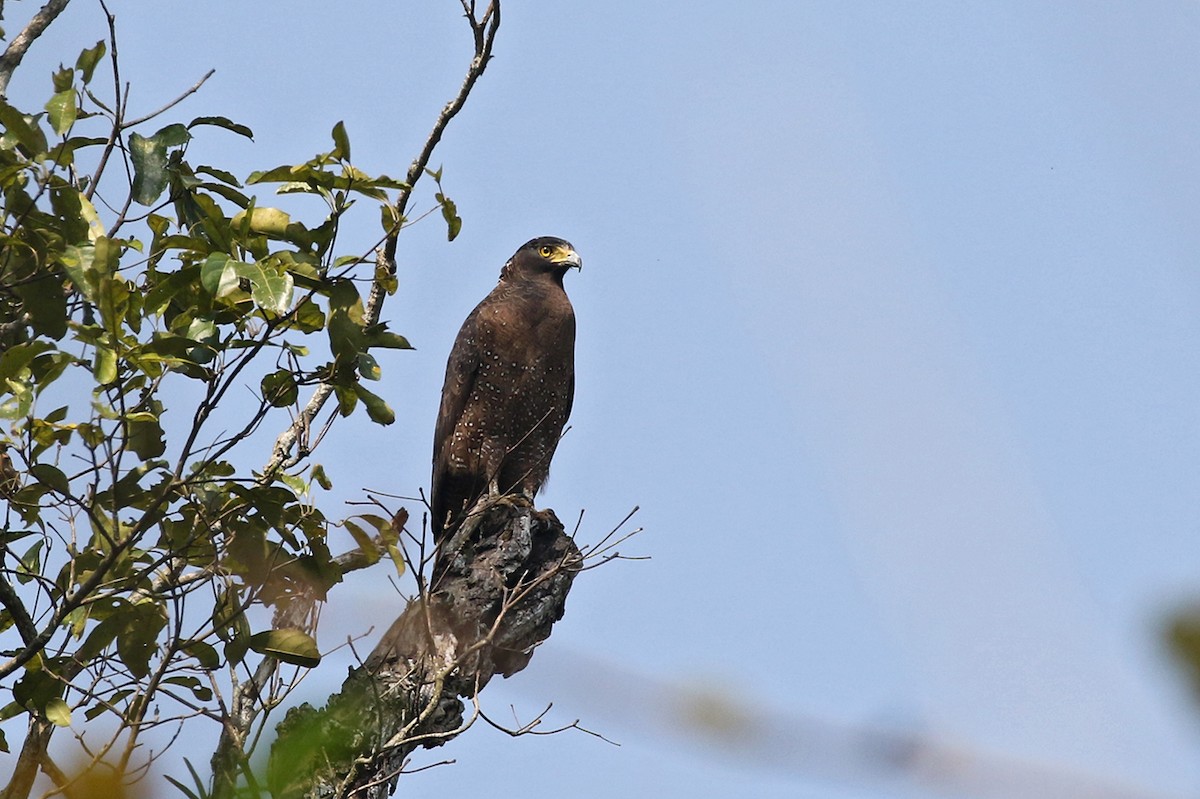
(510, 381)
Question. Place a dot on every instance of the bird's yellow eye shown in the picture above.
(546, 250)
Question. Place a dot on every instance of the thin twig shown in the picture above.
(530, 728)
(114, 135)
(195, 87)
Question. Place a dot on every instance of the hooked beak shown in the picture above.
(570, 258)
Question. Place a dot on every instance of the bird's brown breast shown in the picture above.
(508, 394)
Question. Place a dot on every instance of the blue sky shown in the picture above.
(889, 322)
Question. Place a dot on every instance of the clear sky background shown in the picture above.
(889, 322)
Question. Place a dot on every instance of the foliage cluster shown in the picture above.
(143, 297)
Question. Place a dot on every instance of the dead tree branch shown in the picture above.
(496, 601)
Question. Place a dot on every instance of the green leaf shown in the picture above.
(204, 653)
(149, 167)
(279, 388)
(219, 174)
(63, 153)
(364, 542)
(19, 404)
(50, 476)
(62, 111)
(86, 63)
(321, 479)
(100, 637)
(49, 367)
(379, 411)
(113, 300)
(46, 303)
(199, 690)
(280, 174)
(229, 193)
(379, 336)
(149, 155)
(30, 564)
(175, 135)
(271, 288)
(368, 367)
(23, 130)
(37, 688)
(104, 368)
(345, 321)
(136, 643)
(63, 78)
(106, 254)
(289, 645)
(383, 526)
(397, 558)
(58, 712)
(384, 182)
(235, 649)
(223, 122)
(341, 142)
(145, 438)
(309, 317)
(389, 218)
(347, 399)
(450, 214)
(15, 360)
(217, 275)
(294, 482)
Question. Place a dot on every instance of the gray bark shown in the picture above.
(500, 593)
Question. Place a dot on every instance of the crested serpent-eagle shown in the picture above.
(510, 381)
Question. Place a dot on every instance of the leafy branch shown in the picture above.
(141, 557)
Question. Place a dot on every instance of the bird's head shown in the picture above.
(546, 255)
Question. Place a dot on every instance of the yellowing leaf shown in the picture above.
(268, 221)
(105, 367)
(363, 539)
(58, 712)
(289, 645)
(397, 558)
(88, 212)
